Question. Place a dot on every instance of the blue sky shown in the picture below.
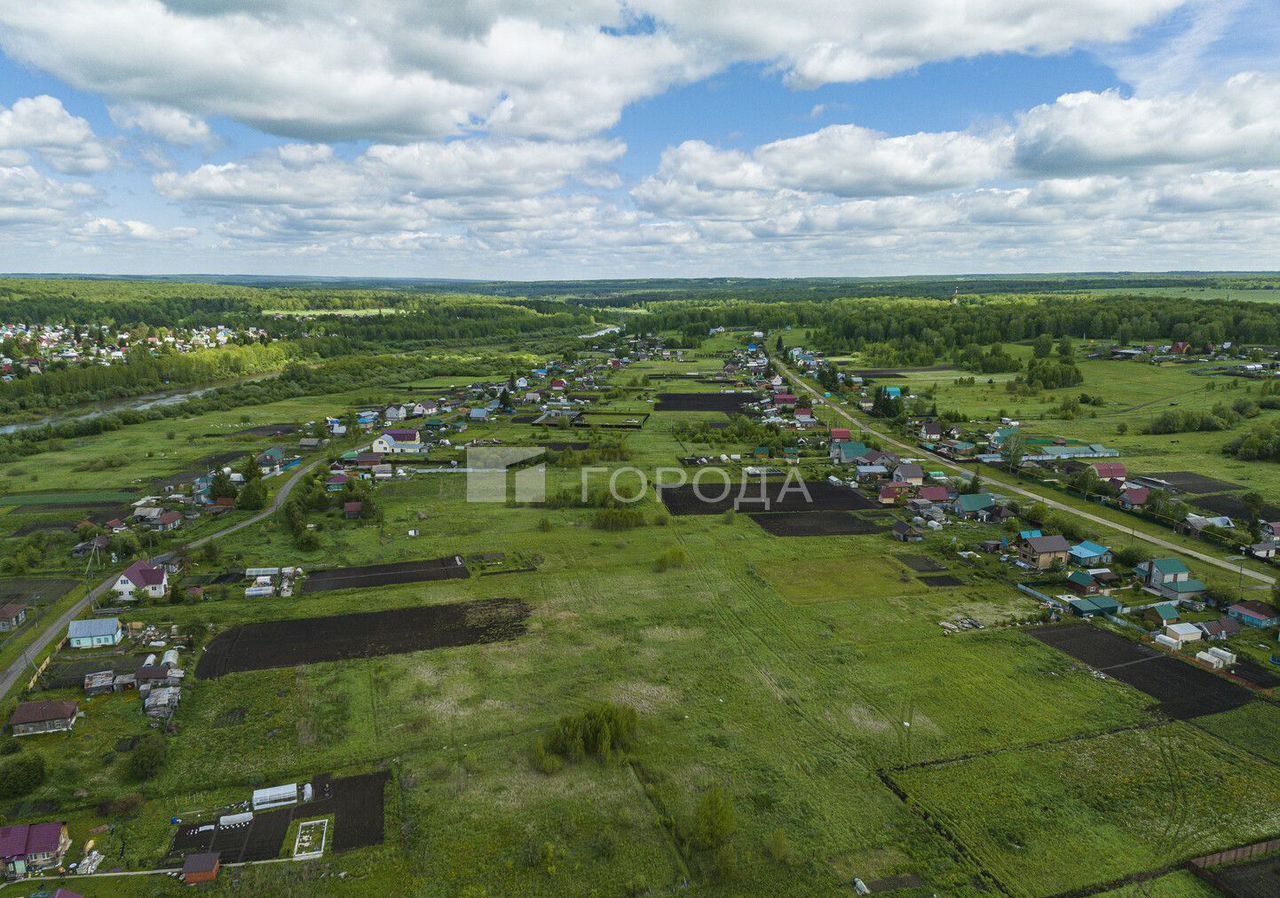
(710, 139)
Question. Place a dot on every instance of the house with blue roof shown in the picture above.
(90, 634)
(1089, 554)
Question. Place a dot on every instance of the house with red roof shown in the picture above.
(1135, 498)
(28, 847)
(784, 400)
(938, 494)
(1111, 471)
(142, 579)
(840, 435)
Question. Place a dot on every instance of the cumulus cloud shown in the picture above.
(65, 141)
(164, 122)
(402, 70)
(129, 229)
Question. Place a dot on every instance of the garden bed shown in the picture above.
(373, 575)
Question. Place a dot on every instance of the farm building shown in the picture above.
(143, 578)
(1222, 629)
(1162, 615)
(11, 616)
(28, 847)
(278, 796)
(1093, 606)
(1183, 633)
(36, 718)
(199, 868)
(1255, 614)
(905, 533)
(96, 633)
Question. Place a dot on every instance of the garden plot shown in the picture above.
(729, 403)
(746, 497)
(1051, 819)
(309, 843)
(1190, 482)
(1184, 691)
(946, 580)
(287, 643)
(449, 568)
(815, 523)
(269, 430)
(35, 590)
(1233, 507)
(922, 564)
(1256, 879)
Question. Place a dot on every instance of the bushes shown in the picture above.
(21, 776)
(671, 558)
(599, 732)
(1262, 443)
(147, 759)
(618, 519)
(714, 820)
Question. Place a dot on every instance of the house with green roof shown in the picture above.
(848, 453)
(972, 505)
(1169, 578)
(1160, 616)
(1082, 584)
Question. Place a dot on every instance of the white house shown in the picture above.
(142, 578)
(89, 634)
(398, 442)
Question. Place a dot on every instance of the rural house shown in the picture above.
(35, 718)
(1082, 584)
(912, 475)
(1135, 498)
(972, 505)
(848, 453)
(931, 431)
(1044, 552)
(28, 847)
(1088, 554)
(1111, 471)
(398, 442)
(1169, 578)
(144, 578)
(11, 616)
(936, 494)
(905, 533)
(95, 633)
(1222, 629)
(1162, 615)
(1255, 614)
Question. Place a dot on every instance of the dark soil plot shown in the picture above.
(385, 575)
(922, 564)
(1184, 691)
(815, 523)
(1255, 674)
(35, 590)
(1256, 879)
(816, 496)
(269, 430)
(28, 529)
(939, 582)
(1191, 482)
(1233, 507)
(287, 643)
(77, 511)
(358, 805)
(729, 403)
(70, 674)
(267, 832)
(524, 419)
(563, 447)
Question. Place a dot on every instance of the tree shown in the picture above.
(253, 496)
(1253, 503)
(1042, 345)
(1066, 351)
(779, 346)
(21, 775)
(221, 486)
(714, 819)
(1015, 450)
(147, 759)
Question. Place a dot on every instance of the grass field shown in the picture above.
(788, 672)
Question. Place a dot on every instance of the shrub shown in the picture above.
(543, 760)
(618, 519)
(671, 558)
(21, 776)
(714, 819)
(147, 759)
(599, 733)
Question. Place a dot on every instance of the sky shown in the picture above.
(549, 139)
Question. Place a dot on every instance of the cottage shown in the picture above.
(142, 579)
(398, 442)
(871, 472)
(931, 431)
(892, 493)
(170, 520)
(336, 483)
(973, 505)
(479, 414)
(1082, 584)
(35, 718)
(308, 444)
(1111, 471)
(95, 633)
(912, 475)
(848, 453)
(1044, 552)
(200, 868)
(939, 494)
(352, 510)
(11, 616)
(840, 435)
(1255, 614)
(1089, 554)
(1158, 616)
(28, 847)
(1169, 578)
(271, 461)
(1134, 498)
(1222, 629)
(785, 401)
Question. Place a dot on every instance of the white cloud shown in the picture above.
(164, 122)
(402, 70)
(110, 228)
(65, 141)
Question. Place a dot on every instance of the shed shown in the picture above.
(203, 867)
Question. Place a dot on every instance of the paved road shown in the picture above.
(1022, 491)
(21, 670)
